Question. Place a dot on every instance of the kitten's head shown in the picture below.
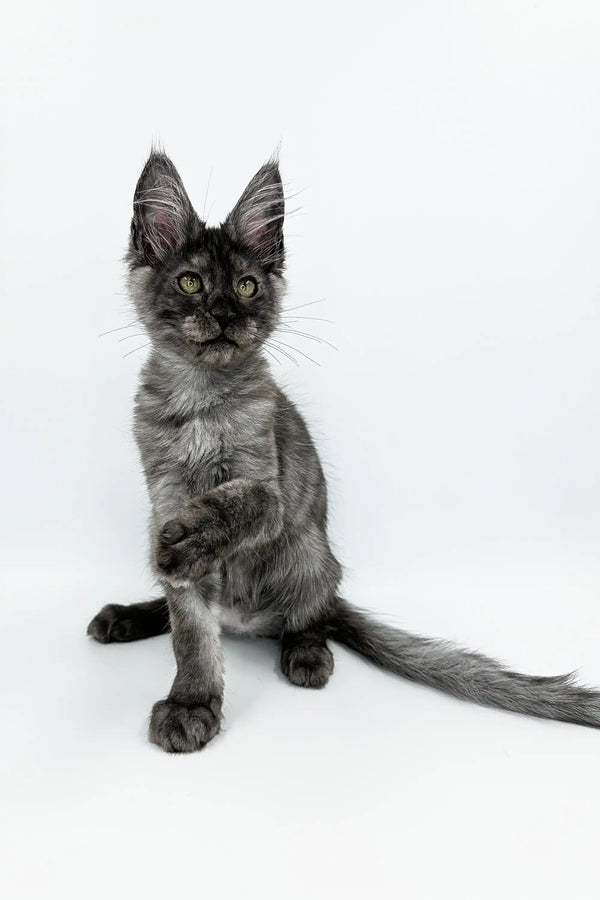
(210, 294)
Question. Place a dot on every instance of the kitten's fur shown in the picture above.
(239, 508)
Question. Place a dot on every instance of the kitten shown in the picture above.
(239, 503)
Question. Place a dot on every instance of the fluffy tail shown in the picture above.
(463, 673)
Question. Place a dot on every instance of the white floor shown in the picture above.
(373, 787)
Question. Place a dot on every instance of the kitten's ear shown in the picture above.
(257, 218)
(163, 217)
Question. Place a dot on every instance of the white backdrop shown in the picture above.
(447, 155)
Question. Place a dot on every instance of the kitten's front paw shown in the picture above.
(185, 549)
(182, 729)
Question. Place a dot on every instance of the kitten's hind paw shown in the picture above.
(307, 665)
(183, 729)
(112, 624)
(117, 623)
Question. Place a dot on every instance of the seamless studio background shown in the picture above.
(446, 156)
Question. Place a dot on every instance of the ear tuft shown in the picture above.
(163, 217)
(257, 218)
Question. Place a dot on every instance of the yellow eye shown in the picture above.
(190, 283)
(246, 287)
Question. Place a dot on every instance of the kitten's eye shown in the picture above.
(190, 283)
(246, 287)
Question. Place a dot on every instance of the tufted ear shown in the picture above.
(163, 217)
(257, 218)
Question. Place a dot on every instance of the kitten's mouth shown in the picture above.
(220, 341)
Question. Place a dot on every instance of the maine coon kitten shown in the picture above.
(239, 505)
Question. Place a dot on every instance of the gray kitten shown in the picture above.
(239, 501)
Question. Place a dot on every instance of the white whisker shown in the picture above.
(272, 355)
(302, 305)
(310, 337)
(137, 348)
(308, 319)
(129, 336)
(120, 328)
(283, 352)
(296, 350)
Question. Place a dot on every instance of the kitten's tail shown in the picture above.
(463, 673)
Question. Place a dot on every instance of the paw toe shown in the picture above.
(173, 531)
(113, 624)
(100, 628)
(165, 558)
(183, 729)
(308, 666)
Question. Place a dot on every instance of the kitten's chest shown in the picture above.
(205, 446)
(199, 442)
(197, 437)
(202, 449)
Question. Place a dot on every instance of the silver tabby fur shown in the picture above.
(239, 501)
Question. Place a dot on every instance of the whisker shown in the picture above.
(302, 305)
(129, 336)
(310, 337)
(308, 319)
(283, 352)
(137, 348)
(296, 350)
(120, 328)
(272, 355)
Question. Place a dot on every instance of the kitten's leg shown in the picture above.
(305, 657)
(130, 623)
(234, 517)
(191, 715)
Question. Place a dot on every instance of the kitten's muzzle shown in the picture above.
(224, 315)
(224, 320)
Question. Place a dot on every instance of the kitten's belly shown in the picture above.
(243, 609)
(239, 621)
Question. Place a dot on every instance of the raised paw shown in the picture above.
(179, 728)
(307, 665)
(185, 549)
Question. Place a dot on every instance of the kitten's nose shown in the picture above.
(224, 319)
(224, 314)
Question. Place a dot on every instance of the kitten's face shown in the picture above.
(211, 294)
